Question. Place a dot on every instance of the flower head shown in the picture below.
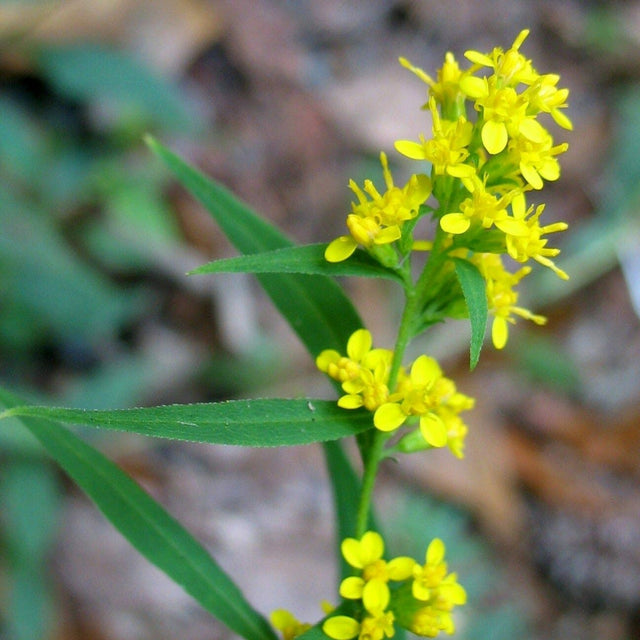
(447, 150)
(377, 219)
(363, 373)
(427, 394)
(530, 243)
(510, 66)
(501, 296)
(446, 89)
(370, 586)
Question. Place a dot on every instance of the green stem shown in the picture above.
(376, 450)
(415, 297)
(369, 480)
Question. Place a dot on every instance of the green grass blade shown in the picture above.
(474, 291)
(247, 423)
(148, 527)
(308, 259)
(315, 306)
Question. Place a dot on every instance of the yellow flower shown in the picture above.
(447, 87)
(531, 244)
(285, 622)
(377, 219)
(482, 207)
(537, 159)
(437, 592)
(544, 96)
(501, 296)
(510, 67)
(507, 114)
(366, 554)
(414, 397)
(370, 587)
(427, 577)
(447, 150)
(363, 373)
(341, 627)
(376, 625)
(502, 110)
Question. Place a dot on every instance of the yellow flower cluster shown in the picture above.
(378, 220)
(422, 598)
(486, 151)
(422, 392)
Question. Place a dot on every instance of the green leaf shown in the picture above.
(44, 282)
(95, 72)
(475, 295)
(307, 259)
(148, 527)
(315, 306)
(30, 496)
(346, 497)
(247, 423)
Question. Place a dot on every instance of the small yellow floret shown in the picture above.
(288, 625)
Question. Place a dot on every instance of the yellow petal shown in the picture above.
(478, 58)
(494, 136)
(550, 170)
(561, 120)
(400, 568)
(359, 553)
(532, 130)
(350, 401)
(411, 149)
(372, 547)
(388, 235)
(513, 227)
(359, 344)
(520, 39)
(435, 551)
(530, 174)
(375, 595)
(455, 223)
(388, 417)
(474, 87)
(327, 357)
(422, 186)
(341, 627)
(460, 170)
(351, 588)
(499, 332)
(340, 249)
(433, 430)
(281, 618)
(424, 371)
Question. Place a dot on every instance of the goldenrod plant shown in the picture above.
(449, 238)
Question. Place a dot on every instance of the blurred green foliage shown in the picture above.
(493, 610)
(77, 192)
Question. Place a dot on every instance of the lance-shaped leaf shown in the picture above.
(308, 259)
(147, 526)
(315, 306)
(346, 497)
(475, 295)
(248, 423)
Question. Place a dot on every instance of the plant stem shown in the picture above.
(376, 450)
(371, 465)
(414, 298)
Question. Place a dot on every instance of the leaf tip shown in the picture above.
(150, 141)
